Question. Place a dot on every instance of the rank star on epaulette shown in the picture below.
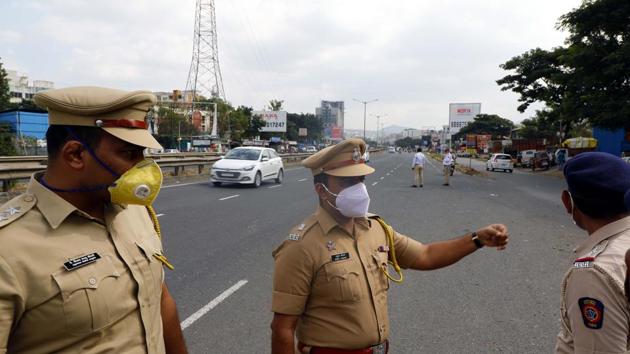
(294, 237)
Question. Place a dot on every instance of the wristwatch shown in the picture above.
(476, 240)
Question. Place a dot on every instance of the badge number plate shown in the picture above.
(81, 261)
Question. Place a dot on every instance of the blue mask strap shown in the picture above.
(91, 152)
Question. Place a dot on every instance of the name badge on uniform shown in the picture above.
(340, 257)
(81, 261)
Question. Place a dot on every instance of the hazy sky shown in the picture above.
(416, 57)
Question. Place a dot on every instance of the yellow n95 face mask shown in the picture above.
(140, 185)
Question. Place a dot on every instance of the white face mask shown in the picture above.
(352, 202)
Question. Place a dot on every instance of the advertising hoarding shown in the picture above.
(336, 133)
(460, 114)
(302, 132)
(276, 121)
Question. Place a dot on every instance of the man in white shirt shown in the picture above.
(447, 162)
(417, 167)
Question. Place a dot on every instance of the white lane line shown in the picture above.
(230, 197)
(375, 183)
(276, 186)
(212, 304)
(382, 177)
(302, 180)
(183, 184)
(158, 215)
(387, 174)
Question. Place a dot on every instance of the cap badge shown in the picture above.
(98, 123)
(356, 155)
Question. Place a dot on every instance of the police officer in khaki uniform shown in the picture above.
(594, 310)
(81, 261)
(330, 286)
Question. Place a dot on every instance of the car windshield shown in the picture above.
(503, 157)
(243, 154)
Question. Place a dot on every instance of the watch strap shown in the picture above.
(476, 240)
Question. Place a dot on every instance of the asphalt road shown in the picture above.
(220, 241)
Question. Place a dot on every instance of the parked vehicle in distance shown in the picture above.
(169, 151)
(248, 165)
(310, 149)
(500, 162)
(540, 160)
(524, 157)
(391, 150)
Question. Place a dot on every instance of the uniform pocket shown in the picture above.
(85, 298)
(344, 280)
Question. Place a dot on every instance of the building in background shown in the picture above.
(331, 114)
(411, 133)
(21, 89)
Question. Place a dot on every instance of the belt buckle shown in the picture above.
(379, 348)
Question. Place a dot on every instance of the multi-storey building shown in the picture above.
(20, 89)
(331, 114)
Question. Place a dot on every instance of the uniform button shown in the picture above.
(92, 281)
(28, 198)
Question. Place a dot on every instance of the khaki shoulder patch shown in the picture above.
(300, 230)
(15, 208)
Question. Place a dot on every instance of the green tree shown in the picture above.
(408, 142)
(5, 94)
(172, 125)
(587, 81)
(491, 124)
(7, 140)
(275, 105)
(313, 125)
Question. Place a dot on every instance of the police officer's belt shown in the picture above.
(381, 348)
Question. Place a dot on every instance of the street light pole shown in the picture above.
(364, 112)
(378, 121)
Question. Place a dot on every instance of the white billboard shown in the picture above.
(460, 114)
(276, 121)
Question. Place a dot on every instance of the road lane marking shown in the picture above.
(302, 180)
(276, 186)
(230, 197)
(382, 177)
(183, 184)
(158, 215)
(387, 174)
(212, 304)
(375, 183)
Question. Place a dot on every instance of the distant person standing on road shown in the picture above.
(561, 159)
(594, 309)
(331, 275)
(447, 163)
(417, 167)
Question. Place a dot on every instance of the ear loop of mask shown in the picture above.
(331, 193)
(572, 208)
(83, 189)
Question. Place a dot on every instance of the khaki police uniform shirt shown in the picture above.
(111, 305)
(594, 311)
(333, 281)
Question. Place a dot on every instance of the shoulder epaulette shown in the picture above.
(300, 230)
(15, 208)
(587, 260)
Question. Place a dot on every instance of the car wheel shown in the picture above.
(217, 184)
(510, 171)
(487, 169)
(280, 176)
(492, 169)
(257, 180)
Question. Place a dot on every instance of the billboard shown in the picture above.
(460, 114)
(276, 121)
(336, 133)
(302, 132)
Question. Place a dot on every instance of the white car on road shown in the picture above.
(500, 162)
(248, 165)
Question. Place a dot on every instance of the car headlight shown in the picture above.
(249, 168)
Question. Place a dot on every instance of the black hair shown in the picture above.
(603, 207)
(58, 135)
(419, 150)
(321, 178)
